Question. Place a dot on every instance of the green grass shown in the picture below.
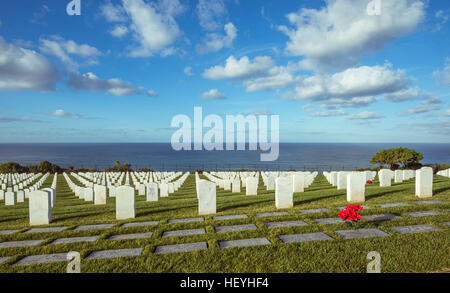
(421, 252)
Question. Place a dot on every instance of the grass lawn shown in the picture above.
(419, 252)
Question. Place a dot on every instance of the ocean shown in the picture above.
(161, 156)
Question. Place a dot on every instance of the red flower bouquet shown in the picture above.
(351, 214)
(368, 182)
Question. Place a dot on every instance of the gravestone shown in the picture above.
(424, 182)
(99, 194)
(163, 189)
(88, 194)
(236, 185)
(152, 191)
(2, 195)
(125, 202)
(384, 176)
(206, 197)
(355, 187)
(10, 198)
(342, 180)
(398, 176)
(251, 186)
(40, 207)
(141, 189)
(20, 196)
(270, 183)
(298, 181)
(284, 193)
(52, 196)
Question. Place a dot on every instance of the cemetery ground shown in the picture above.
(413, 252)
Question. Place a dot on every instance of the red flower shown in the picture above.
(350, 213)
(343, 214)
(368, 182)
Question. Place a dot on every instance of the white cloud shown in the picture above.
(238, 69)
(213, 94)
(365, 116)
(90, 82)
(308, 108)
(405, 95)
(445, 113)
(23, 69)
(215, 42)
(442, 18)
(329, 113)
(354, 85)
(443, 77)
(153, 25)
(337, 35)
(62, 113)
(62, 49)
(276, 77)
(113, 13)
(210, 14)
(432, 103)
(119, 31)
(152, 93)
(188, 71)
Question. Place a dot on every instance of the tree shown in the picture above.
(47, 167)
(12, 167)
(395, 156)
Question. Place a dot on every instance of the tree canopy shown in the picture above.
(397, 156)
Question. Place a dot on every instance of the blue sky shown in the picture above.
(123, 69)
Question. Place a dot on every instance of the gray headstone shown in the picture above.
(285, 224)
(244, 242)
(274, 214)
(184, 232)
(8, 232)
(423, 213)
(312, 211)
(186, 247)
(361, 233)
(75, 240)
(43, 258)
(305, 237)
(187, 220)
(100, 254)
(131, 236)
(230, 217)
(140, 224)
(428, 202)
(20, 243)
(45, 230)
(96, 227)
(3, 259)
(382, 217)
(393, 204)
(328, 221)
(236, 228)
(414, 229)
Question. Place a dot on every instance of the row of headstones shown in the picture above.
(14, 195)
(355, 182)
(285, 184)
(21, 181)
(232, 182)
(445, 173)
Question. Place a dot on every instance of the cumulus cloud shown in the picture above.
(432, 103)
(63, 49)
(354, 85)
(23, 69)
(337, 35)
(152, 93)
(365, 116)
(441, 19)
(113, 13)
(119, 31)
(405, 95)
(65, 114)
(90, 82)
(443, 77)
(215, 42)
(239, 69)
(329, 113)
(210, 14)
(213, 94)
(153, 25)
(188, 71)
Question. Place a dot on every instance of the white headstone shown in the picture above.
(356, 187)
(298, 182)
(424, 182)
(398, 176)
(152, 191)
(88, 194)
(384, 176)
(251, 186)
(270, 183)
(342, 180)
(40, 208)
(164, 189)
(206, 197)
(125, 202)
(20, 196)
(284, 197)
(236, 185)
(141, 190)
(99, 194)
(10, 198)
